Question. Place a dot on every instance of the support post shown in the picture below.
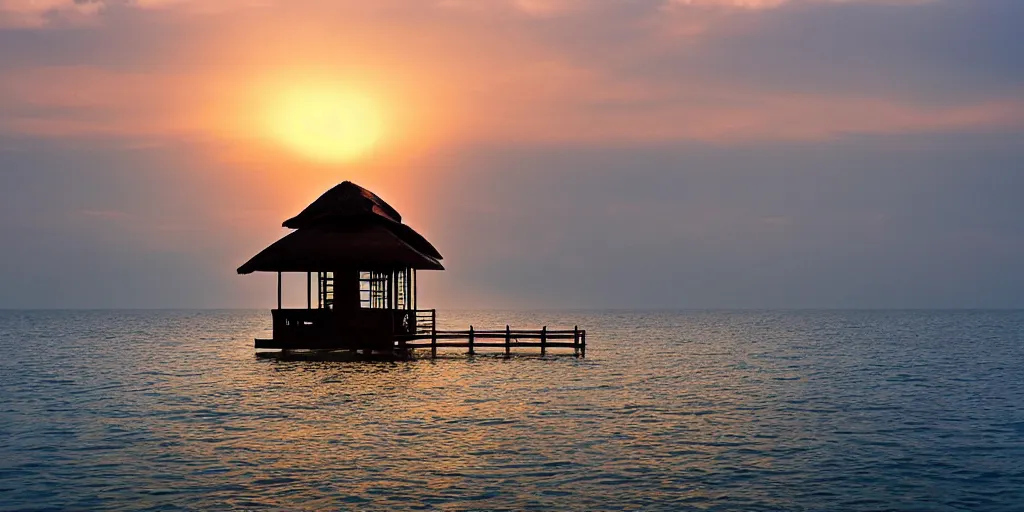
(583, 344)
(278, 290)
(309, 290)
(433, 334)
(471, 340)
(543, 340)
(508, 340)
(576, 340)
(391, 290)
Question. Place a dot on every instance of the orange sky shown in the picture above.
(450, 80)
(450, 72)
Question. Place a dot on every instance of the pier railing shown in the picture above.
(508, 339)
(426, 321)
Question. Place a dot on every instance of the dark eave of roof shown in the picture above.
(359, 246)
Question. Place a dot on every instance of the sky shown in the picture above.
(559, 153)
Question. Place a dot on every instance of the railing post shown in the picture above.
(433, 333)
(471, 340)
(508, 340)
(576, 340)
(543, 340)
(403, 340)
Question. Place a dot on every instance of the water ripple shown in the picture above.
(670, 411)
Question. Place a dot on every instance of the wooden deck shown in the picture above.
(403, 331)
(508, 339)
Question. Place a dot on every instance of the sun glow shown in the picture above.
(326, 124)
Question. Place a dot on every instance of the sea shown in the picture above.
(669, 410)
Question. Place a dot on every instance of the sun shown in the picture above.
(326, 124)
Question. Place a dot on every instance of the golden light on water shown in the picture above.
(325, 124)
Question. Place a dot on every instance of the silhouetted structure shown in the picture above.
(365, 261)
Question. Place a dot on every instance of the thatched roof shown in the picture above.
(348, 227)
(345, 200)
(316, 249)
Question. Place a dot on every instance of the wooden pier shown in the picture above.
(507, 339)
(408, 330)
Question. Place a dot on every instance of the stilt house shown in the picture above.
(364, 260)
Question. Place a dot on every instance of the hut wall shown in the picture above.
(334, 329)
(346, 290)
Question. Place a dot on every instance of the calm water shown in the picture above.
(669, 411)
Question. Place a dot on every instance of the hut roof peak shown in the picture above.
(344, 200)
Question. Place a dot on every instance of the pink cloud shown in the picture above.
(43, 13)
(491, 80)
(39, 13)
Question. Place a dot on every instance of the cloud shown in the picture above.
(771, 4)
(452, 73)
(88, 101)
(45, 13)
(39, 13)
(542, 103)
(580, 104)
(550, 8)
